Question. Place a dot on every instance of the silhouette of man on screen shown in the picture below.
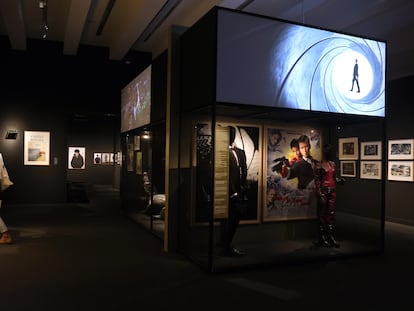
(355, 77)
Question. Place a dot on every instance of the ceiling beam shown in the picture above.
(141, 13)
(78, 13)
(11, 11)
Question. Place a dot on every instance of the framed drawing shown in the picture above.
(371, 150)
(348, 168)
(282, 198)
(76, 158)
(348, 148)
(370, 170)
(401, 149)
(400, 170)
(36, 148)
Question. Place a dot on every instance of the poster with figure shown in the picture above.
(36, 148)
(284, 198)
(76, 158)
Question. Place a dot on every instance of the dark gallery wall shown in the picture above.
(400, 195)
(76, 99)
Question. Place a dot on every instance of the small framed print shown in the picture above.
(371, 150)
(400, 170)
(348, 148)
(348, 168)
(370, 170)
(401, 149)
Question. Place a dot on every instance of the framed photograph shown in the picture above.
(400, 170)
(401, 149)
(283, 200)
(36, 148)
(370, 170)
(97, 158)
(371, 150)
(107, 158)
(348, 168)
(76, 158)
(348, 148)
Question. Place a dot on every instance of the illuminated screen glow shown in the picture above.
(136, 102)
(265, 62)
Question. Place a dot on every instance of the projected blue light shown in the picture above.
(273, 63)
(317, 72)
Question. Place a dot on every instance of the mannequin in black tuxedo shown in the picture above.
(237, 194)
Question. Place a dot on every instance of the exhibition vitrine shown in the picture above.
(281, 142)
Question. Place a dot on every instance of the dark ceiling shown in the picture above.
(144, 25)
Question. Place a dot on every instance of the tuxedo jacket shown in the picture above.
(237, 171)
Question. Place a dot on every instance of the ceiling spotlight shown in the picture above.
(42, 4)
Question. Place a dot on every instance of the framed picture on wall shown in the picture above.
(371, 150)
(401, 149)
(76, 158)
(36, 148)
(348, 168)
(97, 158)
(400, 170)
(370, 170)
(348, 148)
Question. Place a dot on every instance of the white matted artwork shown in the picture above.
(348, 168)
(348, 148)
(76, 158)
(401, 149)
(36, 148)
(400, 170)
(371, 150)
(370, 170)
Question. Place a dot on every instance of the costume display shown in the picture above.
(237, 194)
(325, 182)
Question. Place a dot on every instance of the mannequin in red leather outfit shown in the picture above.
(325, 182)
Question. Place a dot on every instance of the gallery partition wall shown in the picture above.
(254, 90)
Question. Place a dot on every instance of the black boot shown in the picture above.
(322, 238)
(330, 238)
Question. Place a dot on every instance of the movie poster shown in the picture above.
(283, 199)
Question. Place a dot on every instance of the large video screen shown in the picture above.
(267, 62)
(136, 102)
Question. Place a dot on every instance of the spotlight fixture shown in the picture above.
(11, 134)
